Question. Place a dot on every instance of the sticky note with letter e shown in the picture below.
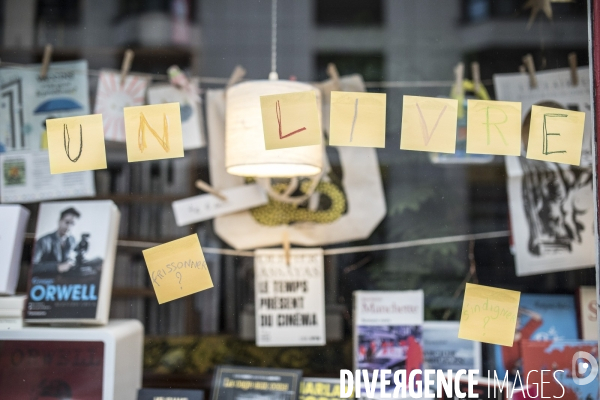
(177, 268)
(489, 315)
(357, 119)
(494, 127)
(555, 135)
(290, 120)
(153, 132)
(429, 124)
(76, 144)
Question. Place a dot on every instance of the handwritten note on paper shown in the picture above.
(153, 132)
(177, 269)
(207, 206)
(357, 119)
(290, 120)
(556, 135)
(429, 124)
(489, 315)
(494, 127)
(76, 144)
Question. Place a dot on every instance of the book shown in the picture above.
(442, 349)
(70, 280)
(13, 220)
(587, 312)
(319, 388)
(175, 394)
(249, 383)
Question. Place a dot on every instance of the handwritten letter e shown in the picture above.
(429, 124)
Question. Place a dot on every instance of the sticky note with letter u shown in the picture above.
(429, 124)
(76, 144)
(177, 268)
(153, 132)
(494, 127)
(290, 120)
(489, 315)
(357, 119)
(555, 135)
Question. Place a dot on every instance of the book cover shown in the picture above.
(70, 279)
(13, 220)
(442, 349)
(319, 389)
(587, 312)
(249, 383)
(175, 394)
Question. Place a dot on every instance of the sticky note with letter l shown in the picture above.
(555, 135)
(489, 315)
(357, 119)
(177, 268)
(429, 124)
(290, 120)
(76, 144)
(494, 127)
(153, 132)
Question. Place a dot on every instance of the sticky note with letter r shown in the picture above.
(489, 315)
(429, 124)
(357, 119)
(76, 144)
(290, 120)
(494, 127)
(555, 135)
(177, 268)
(153, 132)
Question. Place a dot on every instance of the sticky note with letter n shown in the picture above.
(429, 124)
(153, 132)
(76, 144)
(177, 268)
(290, 120)
(357, 119)
(494, 127)
(555, 135)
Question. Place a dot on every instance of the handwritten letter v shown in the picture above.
(426, 135)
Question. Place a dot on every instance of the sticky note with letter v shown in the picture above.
(76, 144)
(429, 124)
(290, 120)
(555, 135)
(489, 315)
(153, 132)
(177, 268)
(494, 127)
(357, 119)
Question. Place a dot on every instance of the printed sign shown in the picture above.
(357, 119)
(494, 127)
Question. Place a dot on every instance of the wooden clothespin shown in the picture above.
(286, 247)
(528, 61)
(333, 73)
(46, 61)
(236, 76)
(200, 184)
(522, 69)
(126, 65)
(476, 76)
(573, 66)
(459, 75)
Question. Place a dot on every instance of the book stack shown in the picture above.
(11, 312)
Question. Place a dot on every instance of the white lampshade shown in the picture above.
(245, 153)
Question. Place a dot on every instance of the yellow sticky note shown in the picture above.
(494, 127)
(357, 119)
(76, 144)
(153, 132)
(429, 124)
(177, 269)
(489, 315)
(555, 135)
(290, 120)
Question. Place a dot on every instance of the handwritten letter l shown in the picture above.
(278, 112)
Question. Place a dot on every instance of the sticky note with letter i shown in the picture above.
(177, 268)
(357, 119)
(489, 315)
(290, 120)
(76, 144)
(429, 124)
(555, 135)
(494, 127)
(153, 132)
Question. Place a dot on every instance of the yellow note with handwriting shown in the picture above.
(489, 315)
(429, 124)
(153, 132)
(290, 120)
(177, 268)
(76, 144)
(357, 119)
(555, 135)
(494, 127)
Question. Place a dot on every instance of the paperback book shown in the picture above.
(587, 312)
(249, 383)
(13, 220)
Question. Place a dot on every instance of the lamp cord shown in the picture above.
(273, 75)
